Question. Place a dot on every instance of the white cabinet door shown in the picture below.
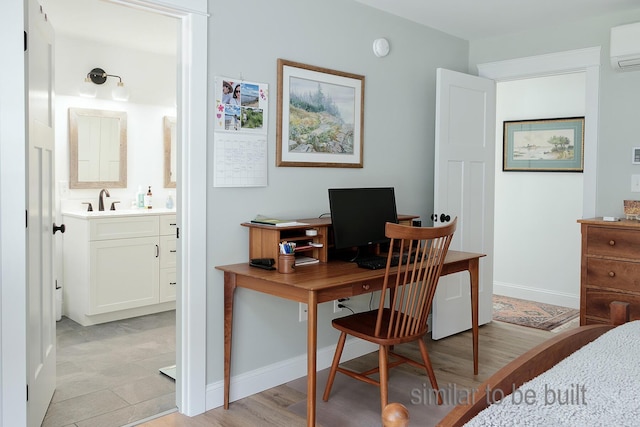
(124, 274)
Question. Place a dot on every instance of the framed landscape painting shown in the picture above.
(319, 117)
(545, 145)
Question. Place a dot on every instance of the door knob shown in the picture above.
(60, 228)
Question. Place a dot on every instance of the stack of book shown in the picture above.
(261, 219)
(304, 260)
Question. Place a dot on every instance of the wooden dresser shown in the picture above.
(610, 268)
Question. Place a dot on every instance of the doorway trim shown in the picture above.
(191, 207)
(191, 200)
(580, 60)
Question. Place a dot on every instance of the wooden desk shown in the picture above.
(318, 283)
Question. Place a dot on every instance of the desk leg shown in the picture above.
(312, 343)
(475, 283)
(229, 289)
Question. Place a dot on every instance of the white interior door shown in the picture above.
(41, 323)
(464, 187)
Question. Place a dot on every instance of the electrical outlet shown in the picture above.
(302, 312)
(336, 309)
(64, 189)
(635, 183)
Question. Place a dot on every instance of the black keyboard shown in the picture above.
(375, 262)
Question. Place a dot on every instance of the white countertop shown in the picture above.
(123, 212)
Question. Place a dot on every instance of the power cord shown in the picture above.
(348, 308)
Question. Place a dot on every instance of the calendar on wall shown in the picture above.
(240, 133)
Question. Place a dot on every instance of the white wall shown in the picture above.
(537, 238)
(151, 81)
(398, 150)
(619, 110)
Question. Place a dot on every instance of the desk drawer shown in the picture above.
(611, 242)
(366, 286)
(622, 275)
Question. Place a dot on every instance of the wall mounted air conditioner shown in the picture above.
(625, 47)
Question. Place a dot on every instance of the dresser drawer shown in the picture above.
(622, 275)
(613, 242)
(597, 304)
(167, 251)
(168, 225)
(167, 284)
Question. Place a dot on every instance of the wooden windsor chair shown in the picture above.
(402, 314)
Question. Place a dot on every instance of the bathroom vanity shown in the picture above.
(118, 264)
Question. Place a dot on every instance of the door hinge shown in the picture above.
(177, 232)
(25, 41)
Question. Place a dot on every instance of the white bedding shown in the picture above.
(598, 385)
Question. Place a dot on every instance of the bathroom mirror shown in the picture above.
(97, 148)
(169, 152)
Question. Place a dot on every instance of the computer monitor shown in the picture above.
(359, 215)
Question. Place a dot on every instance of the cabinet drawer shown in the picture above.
(367, 286)
(168, 284)
(123, 227)
(598, 301)
(612, 242)
(168, 225)
(622, 275)
(167, 251)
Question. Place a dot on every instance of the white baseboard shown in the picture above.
(267, 377)
(539, 295)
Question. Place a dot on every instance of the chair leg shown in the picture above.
(334, 365)
(383, 356)
(429, 369)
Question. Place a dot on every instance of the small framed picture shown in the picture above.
(635, 156)
(544, 145)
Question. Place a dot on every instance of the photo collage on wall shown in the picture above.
(241, 106)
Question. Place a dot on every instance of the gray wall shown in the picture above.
(619, 126)
(398, 145)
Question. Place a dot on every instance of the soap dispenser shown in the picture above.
(169, 204)
(147, 199)
(140, 197)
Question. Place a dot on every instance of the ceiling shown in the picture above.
(116, 24)
(475, 19)
(467, 19)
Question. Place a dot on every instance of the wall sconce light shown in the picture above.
(98, 76)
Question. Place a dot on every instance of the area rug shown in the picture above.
(530, 313)
(353, 403)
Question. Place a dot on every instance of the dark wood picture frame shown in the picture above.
(320, 117)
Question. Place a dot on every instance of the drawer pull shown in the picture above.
(612, 274)
(172, 283)
(173, 251)
(612, 242)
(366, 287)
(172, 223)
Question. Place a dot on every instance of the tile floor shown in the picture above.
(107, 375)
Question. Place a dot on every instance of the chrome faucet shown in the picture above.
(101, 200)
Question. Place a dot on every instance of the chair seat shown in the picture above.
(363, 326)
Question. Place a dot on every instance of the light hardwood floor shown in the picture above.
(451, 358)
